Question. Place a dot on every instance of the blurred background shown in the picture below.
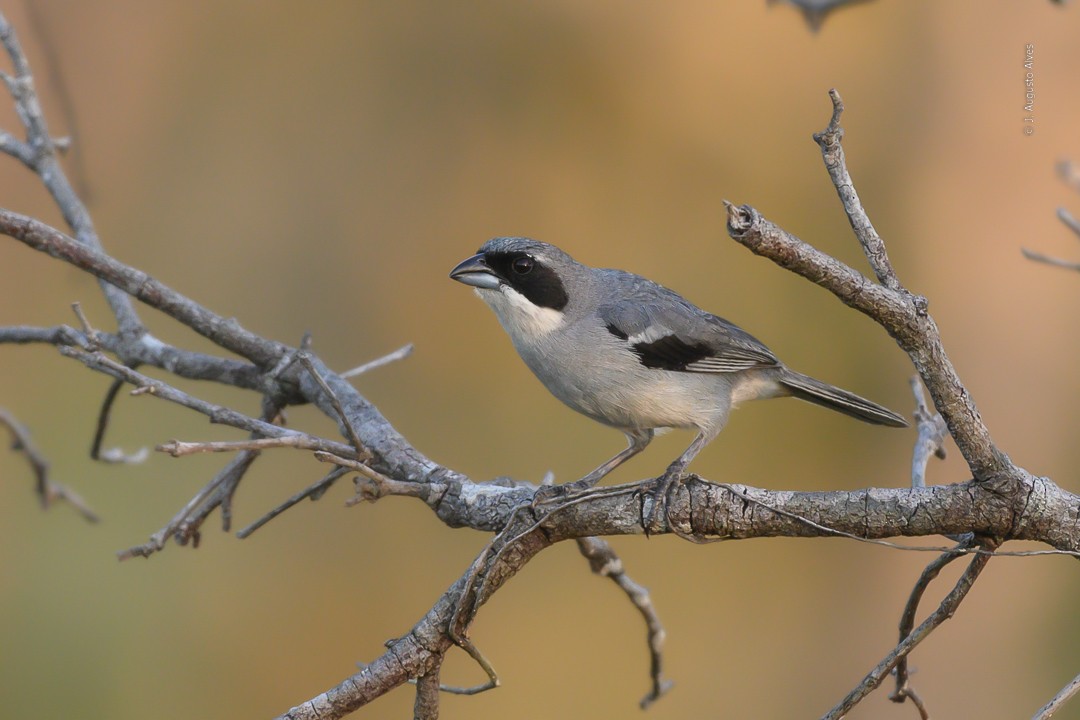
(321, 167)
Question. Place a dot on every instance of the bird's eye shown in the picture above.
(523, 265)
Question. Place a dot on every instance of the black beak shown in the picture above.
(474, 271)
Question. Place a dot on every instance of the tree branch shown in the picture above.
(604, 562)
(944, 612)
(1002, 502)
(47, 489)
(1047, 711)
(903, 689)
(226, 333)
(39, 154)
(903, 315)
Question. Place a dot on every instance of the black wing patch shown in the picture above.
(670, 353)
(666, 353)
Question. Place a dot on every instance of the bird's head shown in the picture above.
(526, 282)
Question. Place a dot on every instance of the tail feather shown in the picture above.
(807, 388)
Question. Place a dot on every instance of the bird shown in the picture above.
(634, 355)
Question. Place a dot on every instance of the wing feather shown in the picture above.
(666, 332)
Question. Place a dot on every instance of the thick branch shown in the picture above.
(1040, 511)
(904, 317)
(417, 654)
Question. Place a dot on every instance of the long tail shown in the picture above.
(807, 388)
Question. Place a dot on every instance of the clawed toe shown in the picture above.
(655, 513)
(549, 493)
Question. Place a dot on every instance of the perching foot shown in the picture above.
(656, 501)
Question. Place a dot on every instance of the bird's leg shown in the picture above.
(638, 440)
(672, 475)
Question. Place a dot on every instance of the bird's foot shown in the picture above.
(547, 494)
(655, 507)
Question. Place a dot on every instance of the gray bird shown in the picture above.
(632, 354)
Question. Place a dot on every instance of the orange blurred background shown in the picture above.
(321, 167)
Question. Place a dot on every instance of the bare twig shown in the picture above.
(400, 354)
(63, 95)
(908, 693)
(58, 335)
(43, 161)
(225, 483)
(1047, 711)
(314, 492)
(218, 494)
(1070, 174)
(376, 486)
(832, 152)
(903, 315)
(47, 489)
(112, 455)
(148, 350)
(305, 360)
(216, 413)
(179, 448)
(226, 333)
(1048, 260)
(222, 489)
(944, 612)
(1070, 222)
(604, 562)
(179, 525)
(907, 620)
